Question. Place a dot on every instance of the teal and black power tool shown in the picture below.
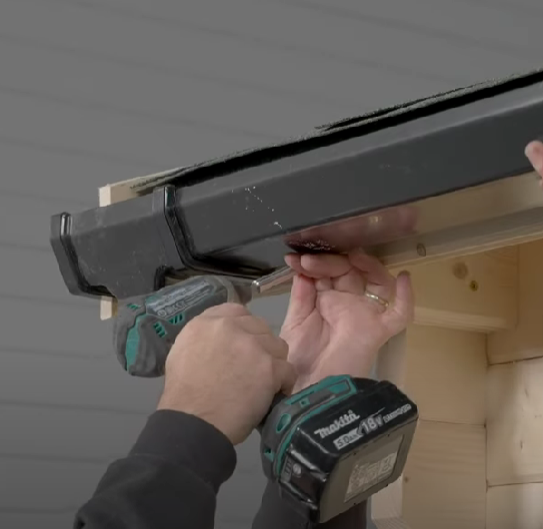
(328, 447)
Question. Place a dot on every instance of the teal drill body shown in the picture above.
(146, 327)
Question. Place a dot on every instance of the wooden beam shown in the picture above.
(431, 364)
(444, 482)
(515, 423)
(503, 213)
(526, 340)
(474, 293)
(477, 292)
(515, 507)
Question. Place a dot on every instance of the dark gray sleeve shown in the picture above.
(170, 478)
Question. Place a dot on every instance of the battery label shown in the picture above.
(348, 438)
(366, 475)
(337, 425)
(366, 426)
(180, 299)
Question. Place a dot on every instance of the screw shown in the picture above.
(297, 470)
(460, 270)
(421, 250)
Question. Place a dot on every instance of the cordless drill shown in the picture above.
(328, 447)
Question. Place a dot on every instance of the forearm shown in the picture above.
(274, 513)
(169, 479)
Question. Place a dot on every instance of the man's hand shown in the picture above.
(225, 367)
(534, 152)
(342, 310)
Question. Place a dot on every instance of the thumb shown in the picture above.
(303, 297)
(534, 153)
(402, 311)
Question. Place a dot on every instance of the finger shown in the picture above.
(401, 313)
(285, 377)
(375, 271)
(274, 346)
(379, 280)
(323, 284)
(226, 310)
(332, 271)
(324, 265)
(303, 297)
(353, 282)
(254, 325)
(240, 316)
(534, 153)
(293, 260)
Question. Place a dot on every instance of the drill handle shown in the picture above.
(146, 327)
(277, 399)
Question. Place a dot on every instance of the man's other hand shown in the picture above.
(534, 152)
(343, 309)
(225, 367)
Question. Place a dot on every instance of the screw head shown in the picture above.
(297, 470)
(421, 250)
(460, 270)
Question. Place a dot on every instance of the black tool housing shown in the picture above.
(375, 428)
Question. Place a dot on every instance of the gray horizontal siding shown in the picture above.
(95, 91)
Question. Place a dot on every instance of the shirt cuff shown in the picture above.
(188, 441)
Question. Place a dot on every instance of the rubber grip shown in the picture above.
(277, 399)
(146, 327)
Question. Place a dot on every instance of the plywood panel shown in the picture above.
(445, 477)
(445, 374)
(443, 484)
(526, 340)
(431, 364)
(477, 292)
(515, 423)
(515, 507)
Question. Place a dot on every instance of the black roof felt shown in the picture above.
(342, 130)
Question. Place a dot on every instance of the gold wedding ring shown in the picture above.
(378, 299)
